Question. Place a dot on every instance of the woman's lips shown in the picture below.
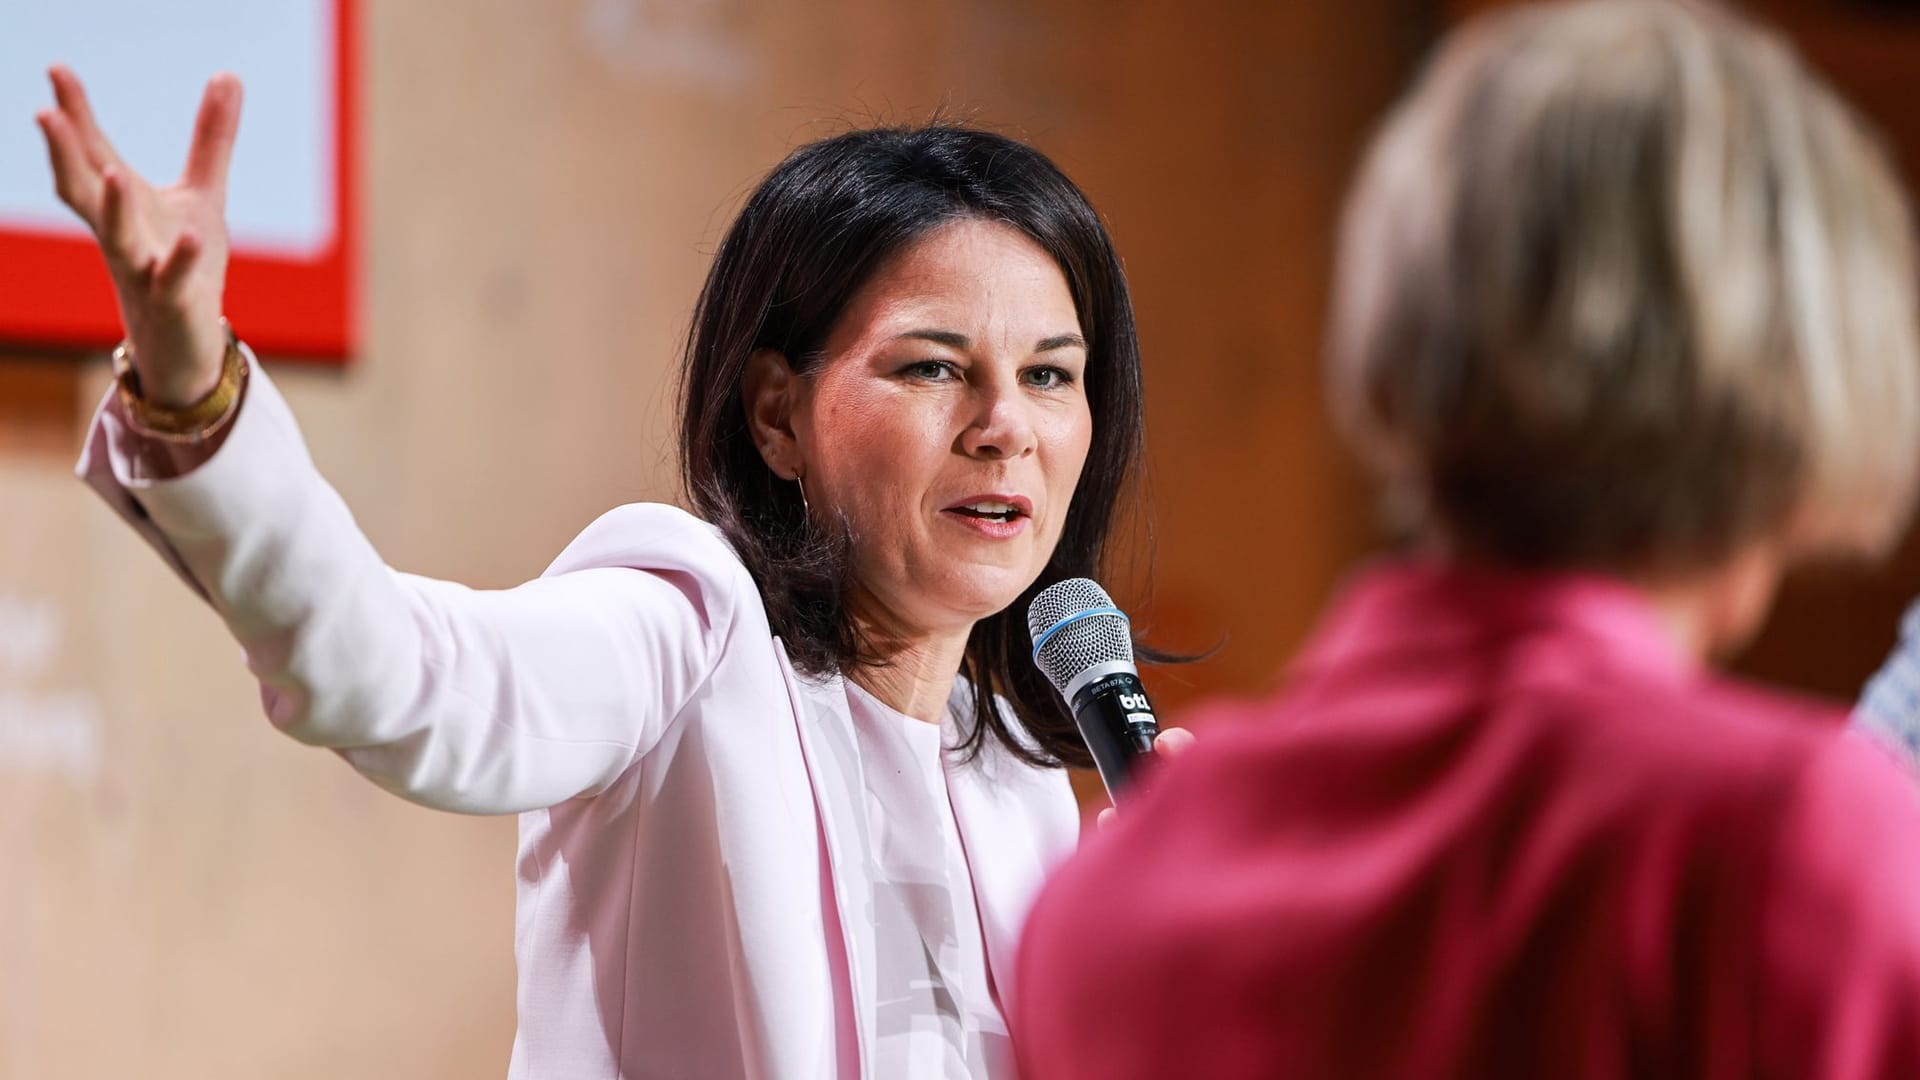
(995, 528)
(995, 515)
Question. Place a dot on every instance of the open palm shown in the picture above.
(165, 247)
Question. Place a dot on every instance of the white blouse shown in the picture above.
(937, 1016)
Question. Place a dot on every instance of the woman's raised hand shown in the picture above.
(166, 247)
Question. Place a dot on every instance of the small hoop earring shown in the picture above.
(802, 485)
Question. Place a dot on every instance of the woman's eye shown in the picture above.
(1049, 378)
(930, 370)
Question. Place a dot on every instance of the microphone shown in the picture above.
(1084, 646)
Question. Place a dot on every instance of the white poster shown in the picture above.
(145, 63)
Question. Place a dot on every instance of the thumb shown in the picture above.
(1173, 742)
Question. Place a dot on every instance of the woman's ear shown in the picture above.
(768, 390)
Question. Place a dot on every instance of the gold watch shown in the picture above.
(192, 423)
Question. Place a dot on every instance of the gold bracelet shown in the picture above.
(196, 422)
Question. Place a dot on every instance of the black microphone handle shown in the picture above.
(1116, 719)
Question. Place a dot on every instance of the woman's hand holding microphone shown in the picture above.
(1172, 743)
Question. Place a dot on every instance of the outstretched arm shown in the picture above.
(481, 701)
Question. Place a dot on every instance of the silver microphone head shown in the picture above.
(1078, 635)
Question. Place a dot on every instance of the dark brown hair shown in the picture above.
(810, 235)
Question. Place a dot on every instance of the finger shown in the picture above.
(116, 224)
(75, 179)
(1173, 741)
(213, 134)
(73, 101)
(171, 275)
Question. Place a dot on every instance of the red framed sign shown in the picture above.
(291, 200)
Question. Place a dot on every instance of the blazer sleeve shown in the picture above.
(471, 700)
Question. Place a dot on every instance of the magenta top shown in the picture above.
(1493, 826)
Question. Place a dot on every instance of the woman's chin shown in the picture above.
(978, 594)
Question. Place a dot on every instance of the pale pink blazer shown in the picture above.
(694, 860)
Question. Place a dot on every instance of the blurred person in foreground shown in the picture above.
(1626, 319)
(786, 776)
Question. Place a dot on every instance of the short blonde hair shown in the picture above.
(1622, 284)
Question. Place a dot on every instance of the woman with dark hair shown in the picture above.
(786, 777)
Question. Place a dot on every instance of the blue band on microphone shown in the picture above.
(1069, 620)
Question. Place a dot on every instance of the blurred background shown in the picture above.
(185, 893)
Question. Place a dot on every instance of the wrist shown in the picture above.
(159, 379)
(204, 405)
(181, 393)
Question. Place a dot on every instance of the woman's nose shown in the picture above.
(1002, 426)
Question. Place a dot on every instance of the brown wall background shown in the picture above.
(187, 894)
